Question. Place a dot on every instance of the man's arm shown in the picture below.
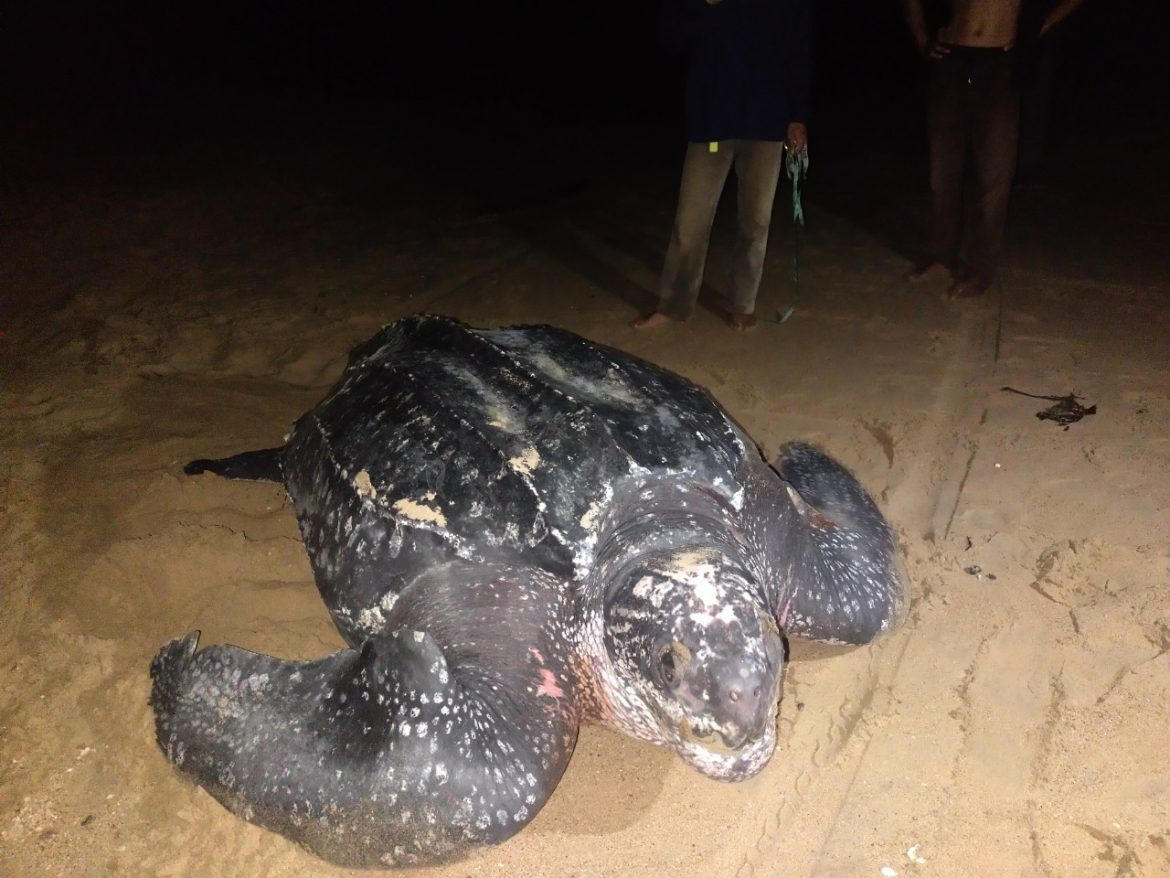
(1062, 10)
(915, 17)
(800, 62)
(928, 45)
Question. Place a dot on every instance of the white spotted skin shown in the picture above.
(629, 705)
(396, 754)
(701, 594)
(516, 530)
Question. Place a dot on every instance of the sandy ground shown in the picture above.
(1016, 726)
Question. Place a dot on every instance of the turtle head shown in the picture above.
(689, 632)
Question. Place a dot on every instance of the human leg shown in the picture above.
(704, 173)
(947, 135)
(995, 133)
(757, 171)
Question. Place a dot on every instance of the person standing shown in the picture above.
(973, 108)
(747, 100)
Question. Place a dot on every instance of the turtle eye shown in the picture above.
(671, 663)
(666, 662)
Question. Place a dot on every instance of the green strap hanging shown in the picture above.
(795, 168)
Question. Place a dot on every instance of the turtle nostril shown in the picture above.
(743, 701)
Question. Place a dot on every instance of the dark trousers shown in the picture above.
(757, 170)
(973, 113)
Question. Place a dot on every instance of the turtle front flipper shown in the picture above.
(844, 581)
(413, 749)
(263, 465)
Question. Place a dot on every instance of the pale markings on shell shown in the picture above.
(363, 485)
(612, 389)
(497, 411)
(420, 512)
(500, 420)
(371, 619)
(525, 462)
(589, 519)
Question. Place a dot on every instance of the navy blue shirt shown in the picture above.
(749, 65)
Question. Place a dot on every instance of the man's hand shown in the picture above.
(797, 139)
(933, 50)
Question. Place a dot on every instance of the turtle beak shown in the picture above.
(735, 694)
(744, 708)
(744, 692)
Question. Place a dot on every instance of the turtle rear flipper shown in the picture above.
(256, 466)
(169, 678)
(846, 582)
(410, 750)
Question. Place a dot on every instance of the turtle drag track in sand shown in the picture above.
(1015, 726)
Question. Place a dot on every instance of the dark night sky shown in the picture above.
(89, 81)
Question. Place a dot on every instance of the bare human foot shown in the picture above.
(741, 321)
(653, 320)
(929, 273)
(969, 288)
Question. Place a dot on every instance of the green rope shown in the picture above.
(796, 168)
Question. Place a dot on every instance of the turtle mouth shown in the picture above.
(727, 751)
(713, 738)
(709, 754)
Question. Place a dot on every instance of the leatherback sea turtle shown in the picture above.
(518, 531)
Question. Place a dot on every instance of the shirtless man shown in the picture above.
(972, 104)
